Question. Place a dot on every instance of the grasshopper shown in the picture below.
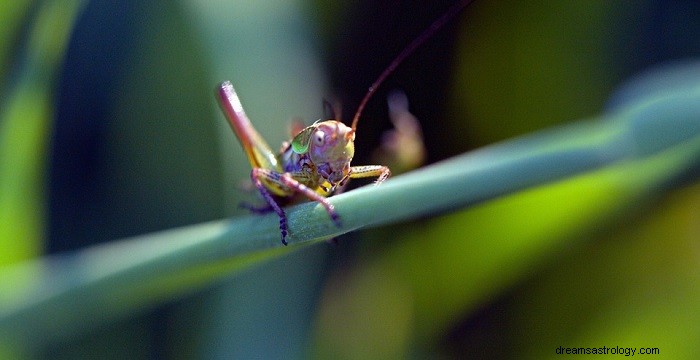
(316, 163)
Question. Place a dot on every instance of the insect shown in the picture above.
(316, 162)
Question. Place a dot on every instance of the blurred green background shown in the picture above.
(109, 129)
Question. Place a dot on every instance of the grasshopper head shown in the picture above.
(331, 146)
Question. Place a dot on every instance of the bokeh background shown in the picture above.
(110, 129)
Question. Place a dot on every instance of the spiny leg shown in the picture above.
(356, 172)
(291, 183)
(381, 172)
(256, 175)
(286, 180)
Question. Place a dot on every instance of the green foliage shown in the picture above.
(107, 281)
(583, 234)
(25, 115)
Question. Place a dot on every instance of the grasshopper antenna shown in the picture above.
(408, 50)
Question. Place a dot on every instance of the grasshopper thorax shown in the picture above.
(330, 146)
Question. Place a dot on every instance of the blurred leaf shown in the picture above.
(610, 292)
(450, 265)
(12, 15)
(25, 118)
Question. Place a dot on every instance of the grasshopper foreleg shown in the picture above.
(379, 171)
(287, 181)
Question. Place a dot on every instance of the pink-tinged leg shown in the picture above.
(291, 183)
(256, 175)
(379, 171)
(287, 181)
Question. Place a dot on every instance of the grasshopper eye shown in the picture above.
(319, 138)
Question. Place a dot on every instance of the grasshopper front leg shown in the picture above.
(357, 172)
(262, 176)
(381, 172)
